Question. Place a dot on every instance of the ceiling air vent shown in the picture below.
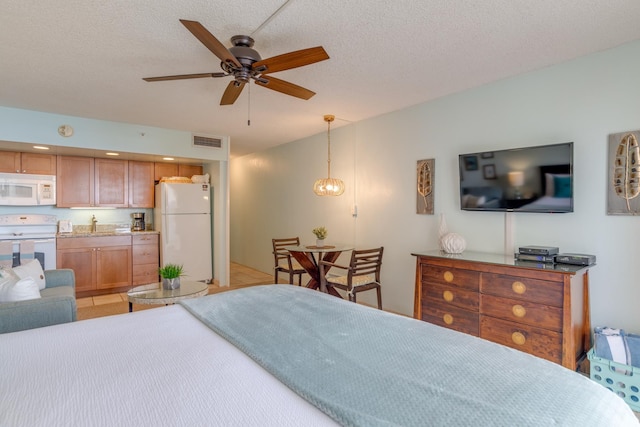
(205, 141)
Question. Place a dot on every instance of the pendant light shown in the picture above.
(328, 186)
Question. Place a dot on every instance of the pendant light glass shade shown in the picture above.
(328, 186)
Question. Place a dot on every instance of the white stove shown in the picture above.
(41, 229)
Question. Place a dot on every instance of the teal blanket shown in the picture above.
(365, 367)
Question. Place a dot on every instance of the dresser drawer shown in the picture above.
(540, 342)
(542, 316)
(444, 314)
(460, 278)
(145, 274)
(540, 291)
(450, 295)
(145, 239)
(145, 254)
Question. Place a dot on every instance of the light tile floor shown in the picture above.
(239, 275)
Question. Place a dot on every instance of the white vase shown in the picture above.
(320, 243)
(453, 243)
(170, 284)
(442, 231)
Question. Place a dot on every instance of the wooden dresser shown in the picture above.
(541, 310)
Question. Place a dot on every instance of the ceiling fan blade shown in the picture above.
(183, 76)
(290, 60)
(231, 93)
(209, 40)
(285, 87)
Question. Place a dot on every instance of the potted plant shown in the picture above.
(320, 233)
(170, 274)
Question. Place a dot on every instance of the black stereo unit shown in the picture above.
(537, 258)
(538, 250)
(576, 259)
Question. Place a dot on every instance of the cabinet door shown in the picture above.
(75, 186)
(113, 267)
(141, 190)
(9, 162)
(83, 263)
(189, 170)
(164, 170)
(112, 183)
(40, 164)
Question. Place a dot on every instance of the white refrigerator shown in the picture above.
(183, 217)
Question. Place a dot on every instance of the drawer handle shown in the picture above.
(518, 310)
(518, 338)
(448, 276)
(519, 287)
(448, 296)
(447, 318)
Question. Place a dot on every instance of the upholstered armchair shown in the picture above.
(57, 304)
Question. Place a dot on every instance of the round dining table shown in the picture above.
(308, 256)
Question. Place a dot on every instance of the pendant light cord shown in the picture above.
(328, 148)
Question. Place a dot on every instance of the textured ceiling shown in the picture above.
(87, 57)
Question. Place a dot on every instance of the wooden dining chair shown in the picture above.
(283, 262)
(363, 273)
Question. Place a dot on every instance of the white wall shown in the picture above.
(583, 101)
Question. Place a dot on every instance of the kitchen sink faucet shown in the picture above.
(94, 223)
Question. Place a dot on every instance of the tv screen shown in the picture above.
(530, 179)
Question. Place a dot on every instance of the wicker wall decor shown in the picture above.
(425, 183)
(623, 187)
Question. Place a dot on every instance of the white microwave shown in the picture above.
(21, 189)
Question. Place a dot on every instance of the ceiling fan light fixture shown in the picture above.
(245, 64)
(328, 186)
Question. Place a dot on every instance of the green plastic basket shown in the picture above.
(623, 380)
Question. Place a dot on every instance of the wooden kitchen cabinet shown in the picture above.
(173, 169)
(141, 184)
(543, 311)
(146, 258)
(164, 170)
(76, 182)
(33, 163)
(112, 183)
(88, 182)
(99, 263)
(189, 170)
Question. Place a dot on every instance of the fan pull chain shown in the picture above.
(249, 107)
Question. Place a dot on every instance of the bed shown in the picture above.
(556, 190)
(281, 355)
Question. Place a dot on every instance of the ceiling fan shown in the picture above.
(244, 64)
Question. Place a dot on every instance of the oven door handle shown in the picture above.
(17, 242)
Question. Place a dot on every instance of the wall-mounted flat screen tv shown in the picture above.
(530, 179)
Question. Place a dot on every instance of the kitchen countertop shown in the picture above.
(103, 233)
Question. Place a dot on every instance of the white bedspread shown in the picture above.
(549, 203)
(174, 371)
